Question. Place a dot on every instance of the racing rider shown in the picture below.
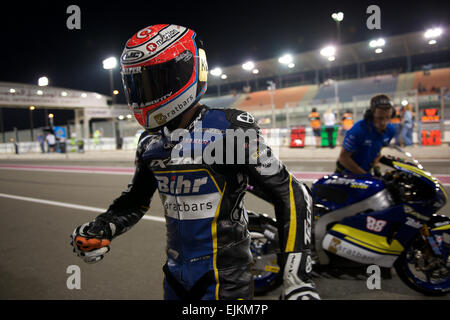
(164, 72)
(363, 142)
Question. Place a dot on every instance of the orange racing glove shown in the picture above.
(91, 241)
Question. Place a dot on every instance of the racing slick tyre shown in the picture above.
(422, 270)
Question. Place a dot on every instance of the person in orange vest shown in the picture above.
(314, 120)
(396, 121)
(346, 122)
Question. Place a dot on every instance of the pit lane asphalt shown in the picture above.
(35, 249)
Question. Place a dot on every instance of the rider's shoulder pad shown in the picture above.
(241, 119)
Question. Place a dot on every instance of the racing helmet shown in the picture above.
(164, 73)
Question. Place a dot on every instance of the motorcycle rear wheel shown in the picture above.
(264, 257)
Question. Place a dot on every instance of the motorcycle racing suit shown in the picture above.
(208, 244)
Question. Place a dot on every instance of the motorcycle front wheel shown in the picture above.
(421, 269)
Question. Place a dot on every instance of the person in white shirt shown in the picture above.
(51, 142)
(330, 122)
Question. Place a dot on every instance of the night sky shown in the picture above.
(36, 41)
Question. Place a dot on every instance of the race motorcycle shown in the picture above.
(359, 220)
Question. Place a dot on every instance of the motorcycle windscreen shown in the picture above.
(149, 85)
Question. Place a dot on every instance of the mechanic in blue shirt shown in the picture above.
(363, 142)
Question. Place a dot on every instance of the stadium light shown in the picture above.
(12, 90)
(285, 59)
(328, 51)
(40, 92)
(377, 43)
(216, 72)
(404, 102)
(116, 92)
(378, 50)
(338, 17)
(248, 66)
(332, 58)
(223, 76)
(255, 71)
(291, 65)
(110, 63)
(433, 33)
(64, 94)
(43, 81)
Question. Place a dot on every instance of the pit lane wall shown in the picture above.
(275, 137)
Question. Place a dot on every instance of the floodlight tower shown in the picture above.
(248, 66)
(43, 82)
(110, 64)
(338, 17)
(217, 72)
(271, 88)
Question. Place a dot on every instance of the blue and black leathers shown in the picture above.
(202, 186)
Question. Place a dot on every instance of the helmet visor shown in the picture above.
(149, 85)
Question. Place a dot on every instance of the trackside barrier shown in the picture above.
(431, 137)
(103, 144)
(297, 137)
(274, 138)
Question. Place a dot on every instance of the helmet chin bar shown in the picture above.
(170, 126)
(174, 123)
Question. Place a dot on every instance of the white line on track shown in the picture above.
(99, 170)
(70, 205)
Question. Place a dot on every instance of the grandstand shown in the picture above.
(221, 102)
(261, 100)
(430, 81)
(347, 89)
(292, 105)
(425, 82)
